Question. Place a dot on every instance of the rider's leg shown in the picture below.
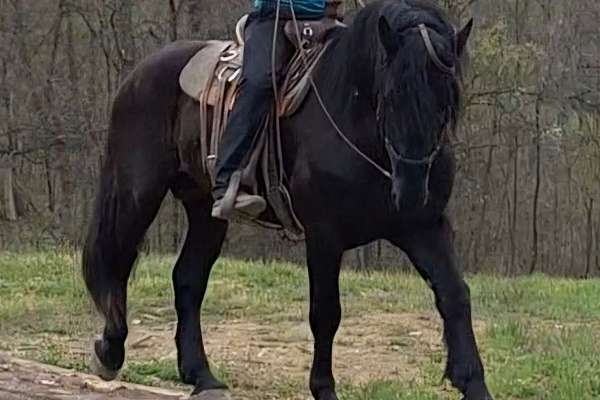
(254, 103)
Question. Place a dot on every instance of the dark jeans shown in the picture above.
(256, 94)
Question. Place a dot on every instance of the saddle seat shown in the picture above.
(212, 77)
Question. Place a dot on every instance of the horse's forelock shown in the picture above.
(406, 15)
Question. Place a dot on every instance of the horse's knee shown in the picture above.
(461, 294)
(453, 300)
(188, 298)
(325, 315)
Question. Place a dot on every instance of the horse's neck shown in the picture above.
(346, 79)
(349, 98)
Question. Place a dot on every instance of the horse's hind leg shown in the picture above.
(432, 252)
(202, 246)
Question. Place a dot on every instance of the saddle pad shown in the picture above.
(199, 71)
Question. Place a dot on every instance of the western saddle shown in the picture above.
(212, 78)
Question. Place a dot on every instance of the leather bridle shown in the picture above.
(450, 70)
(429, 159)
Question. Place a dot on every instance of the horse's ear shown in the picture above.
(462, 37)
(388, 38)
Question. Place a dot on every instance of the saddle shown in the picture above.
(212, 77)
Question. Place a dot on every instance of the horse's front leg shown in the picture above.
(431, 250)
(323, 255)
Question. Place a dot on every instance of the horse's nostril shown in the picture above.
(396, 198)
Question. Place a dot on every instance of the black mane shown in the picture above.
(357, 58)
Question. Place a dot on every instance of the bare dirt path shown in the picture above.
(256, 355)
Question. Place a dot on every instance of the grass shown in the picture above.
(539, 335)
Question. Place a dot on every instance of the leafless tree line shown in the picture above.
(526, 198)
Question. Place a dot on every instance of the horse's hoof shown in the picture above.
(214, 394)
(100, 369)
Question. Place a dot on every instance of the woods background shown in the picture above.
(528, 191)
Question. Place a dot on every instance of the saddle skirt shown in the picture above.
(212, 78)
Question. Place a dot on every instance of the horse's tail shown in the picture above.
(140, 166)
(133, 182)
(105, 258)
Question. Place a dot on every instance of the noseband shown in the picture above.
(426, 161)
(422, 161)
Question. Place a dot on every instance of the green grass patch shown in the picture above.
(539, 341)
(150, 372)
(388, 390)
(531, 359)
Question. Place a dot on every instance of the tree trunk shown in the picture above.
(173, 18)
(10, 201)
(515, 208)
(590, 238)
(194, 13)
(536, 193)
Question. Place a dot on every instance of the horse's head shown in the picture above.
(418, 92)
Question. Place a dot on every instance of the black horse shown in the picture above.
(391, 83)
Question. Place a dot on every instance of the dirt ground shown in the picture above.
(27, 380)
(378, 346)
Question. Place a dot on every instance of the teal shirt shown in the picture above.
(302, 8)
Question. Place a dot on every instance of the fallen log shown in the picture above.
(25, 379)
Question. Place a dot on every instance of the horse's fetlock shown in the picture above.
(110, 353)
(200, 376)
(321, 384)
(462, 375)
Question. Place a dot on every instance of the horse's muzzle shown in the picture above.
(409, 193)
